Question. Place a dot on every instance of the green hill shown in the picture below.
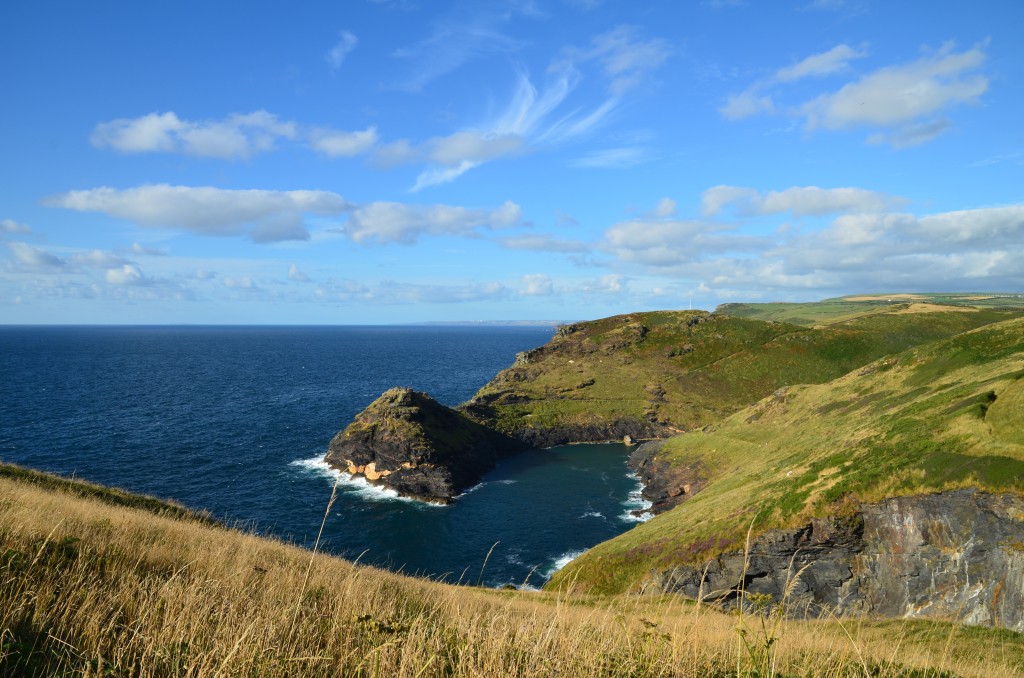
(941, 416)
(654, 374)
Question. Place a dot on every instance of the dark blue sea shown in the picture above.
(236, 420)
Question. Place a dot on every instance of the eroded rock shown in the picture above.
(409, 442)
(952, 556)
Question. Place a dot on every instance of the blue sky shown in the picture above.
(376, 161)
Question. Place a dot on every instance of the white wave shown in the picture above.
(357, 485)
(561, 561)
(592, 514)
(487, 482)
(636, 502)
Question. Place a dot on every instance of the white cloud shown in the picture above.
(905, 102)
(746, 104)
(797, 200)
(473, 146)
(666, 208)
(543, 243)
(834, 60)
(127, 274)
(96, 259)
(35, 259)
(388, 222)
(12, 226)
(897, 95)
(343, 144)
(458, 153)
(606, 284)
(295, 275)
(336, 55)
(241, 283)
(912, 135)
(867, 247)
(664, 242)
(142, 251)
(240, 135)
(389, 292)
(399, 152)
(262, 216)
(537, 285)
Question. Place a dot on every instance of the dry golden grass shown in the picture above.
(92, 589)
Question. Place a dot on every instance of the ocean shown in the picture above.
(236, 420)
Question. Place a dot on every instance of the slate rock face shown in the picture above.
(665, 485)
(954, 556)
(409, 442)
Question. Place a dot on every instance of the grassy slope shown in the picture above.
(943, 415)
(690, 375)
(845, 308)
(92, 584)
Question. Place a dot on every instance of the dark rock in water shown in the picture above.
(954, 556)
(409, 442)
(665, 485)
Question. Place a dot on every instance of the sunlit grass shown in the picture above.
(91, 588)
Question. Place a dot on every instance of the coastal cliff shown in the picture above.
(951, 556)
(647, 376)
(412, 444)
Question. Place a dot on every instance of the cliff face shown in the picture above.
(954, 556)
(409, 442)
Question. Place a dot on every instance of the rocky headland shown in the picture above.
(407, 441)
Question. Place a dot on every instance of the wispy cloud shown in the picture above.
(450, 45)
(613, 158)
(544, 243)
(388, 292)
(347, 42)
(543, 116)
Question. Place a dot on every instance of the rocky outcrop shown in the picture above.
(409, 442)
(665, 485)
(953, 556)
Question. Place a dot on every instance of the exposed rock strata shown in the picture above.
(665, 485)
(409, 442)
(954, 556)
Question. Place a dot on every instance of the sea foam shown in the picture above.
(636, 502)
(351, 484)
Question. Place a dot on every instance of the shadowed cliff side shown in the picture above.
(954, 555)
(412, 444)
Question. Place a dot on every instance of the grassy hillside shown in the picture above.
(845, 308)
(943, 415)
(682, 370)
(91, 585)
